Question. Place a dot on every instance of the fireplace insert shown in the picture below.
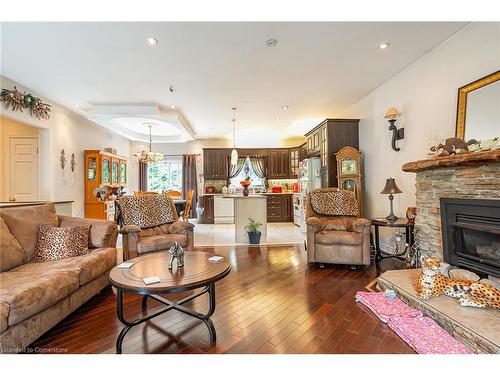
(471, 234)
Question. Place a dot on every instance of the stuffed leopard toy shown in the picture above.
(432, 283)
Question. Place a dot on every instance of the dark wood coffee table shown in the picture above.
(197, 272)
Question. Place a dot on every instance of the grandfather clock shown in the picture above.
(349, 167)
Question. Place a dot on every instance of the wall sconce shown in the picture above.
(397, 134)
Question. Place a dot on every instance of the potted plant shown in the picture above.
(253, 231)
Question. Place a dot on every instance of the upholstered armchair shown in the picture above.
(149, 223)
(334, 232)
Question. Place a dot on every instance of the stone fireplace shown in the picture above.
(471, 234)
(467, 176)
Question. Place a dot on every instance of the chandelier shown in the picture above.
(149, 157)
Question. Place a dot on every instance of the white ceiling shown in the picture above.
(317, 69)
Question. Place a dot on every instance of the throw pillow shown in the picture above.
(54, 243)
(11, 253)
(146, 211)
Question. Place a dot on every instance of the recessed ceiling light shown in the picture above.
(173, 106)
(385, 45)
(277, 119)
(284, 107)
(271, 42)
(153, 42)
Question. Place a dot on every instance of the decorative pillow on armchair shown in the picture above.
(54, 243)
(146, 211)
(334, 202)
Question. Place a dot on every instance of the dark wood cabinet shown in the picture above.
(216, 164)
(279, 208)
(278, 163)
(294, 158)
(326, 139)
(303, 152)
(207, 217)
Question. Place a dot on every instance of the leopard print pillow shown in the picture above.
(335, 202)
(146, 211)
(54, 243)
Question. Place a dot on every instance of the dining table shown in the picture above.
(180, 205)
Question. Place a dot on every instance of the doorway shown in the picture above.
(24, 163)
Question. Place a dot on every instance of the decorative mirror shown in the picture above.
(478, 109)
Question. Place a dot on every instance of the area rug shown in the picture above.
(423, 334)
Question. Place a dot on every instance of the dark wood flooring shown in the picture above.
(272, 302)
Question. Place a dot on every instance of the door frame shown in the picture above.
(38, 159)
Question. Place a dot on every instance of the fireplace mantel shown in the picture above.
(453, 161)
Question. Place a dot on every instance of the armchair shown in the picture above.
(149, 223)
(334, 232)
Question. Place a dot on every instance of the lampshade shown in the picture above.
(390, 187)
(234, 157)
(392, 113)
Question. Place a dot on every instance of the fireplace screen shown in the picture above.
(477, 243)
(471, 234)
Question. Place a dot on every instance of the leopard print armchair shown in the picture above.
(335, 233)
(149, 223)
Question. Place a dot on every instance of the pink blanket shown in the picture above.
(423, 334)
(385, 307)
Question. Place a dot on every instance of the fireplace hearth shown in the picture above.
(471, 234)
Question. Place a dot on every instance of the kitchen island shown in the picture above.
(255, 207)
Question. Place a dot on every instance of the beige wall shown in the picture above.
(10, 128)
(73, 133)
(426, 93)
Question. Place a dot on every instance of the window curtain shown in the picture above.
(143, 176)
(189, 180)
(259, 166)
(234, 170)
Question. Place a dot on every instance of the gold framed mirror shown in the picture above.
(478, 109)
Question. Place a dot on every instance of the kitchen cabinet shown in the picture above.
(216, 164)
(279, 208)
(207, 217)
(278, 164)
(294, 157)
(303, 152)
(326, 139)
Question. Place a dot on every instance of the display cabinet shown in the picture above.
(104, 173)
(349, 173)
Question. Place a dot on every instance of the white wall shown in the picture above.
(73, 133)
(426, 94)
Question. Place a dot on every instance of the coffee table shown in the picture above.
(197, 273)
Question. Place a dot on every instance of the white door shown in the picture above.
(23, 169)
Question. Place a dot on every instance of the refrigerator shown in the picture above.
(309, 179)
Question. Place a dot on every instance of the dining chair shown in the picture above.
(174, 194)
(187, 209)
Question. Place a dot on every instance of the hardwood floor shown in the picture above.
(271, 302)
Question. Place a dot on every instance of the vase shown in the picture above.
(245, 192)
(254, 237)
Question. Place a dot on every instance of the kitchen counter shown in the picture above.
(241, 196)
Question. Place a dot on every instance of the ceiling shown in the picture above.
(317, 69)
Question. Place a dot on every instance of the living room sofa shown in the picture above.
(36, 296)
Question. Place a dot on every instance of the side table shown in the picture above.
(399, 223)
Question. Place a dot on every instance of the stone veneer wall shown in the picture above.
(476, 181)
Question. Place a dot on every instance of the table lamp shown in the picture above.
(391, 188)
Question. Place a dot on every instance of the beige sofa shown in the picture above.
(36, 296)
(337, 239)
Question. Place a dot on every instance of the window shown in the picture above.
(165, 175)
(247, 171)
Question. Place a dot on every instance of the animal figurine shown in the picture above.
(481, 295)
(176, 253)
(432, 283)
(453, 146)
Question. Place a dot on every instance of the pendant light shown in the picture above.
(149, 157)
(234, 153)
